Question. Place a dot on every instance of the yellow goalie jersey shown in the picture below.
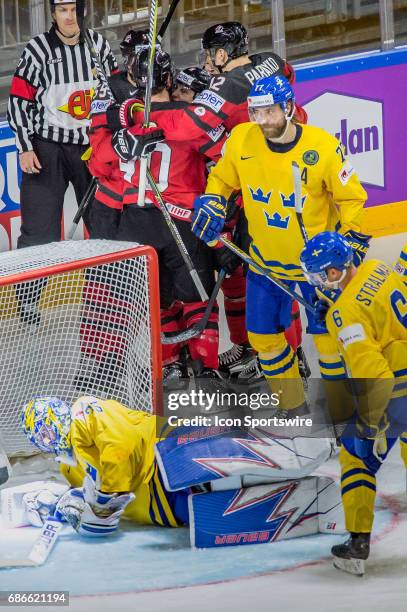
(331, 191)
(115, 446)
(369, 324)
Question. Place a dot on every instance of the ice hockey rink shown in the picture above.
(154, 569)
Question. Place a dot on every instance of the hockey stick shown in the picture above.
(5, 469)
(298, 199)
(195, 330)
(80, 13)
(90, 192)
(298, 211)
(177, 237)
(167, 20)
(171, 226)
(264, 272)
(147, 100)
(41, 547)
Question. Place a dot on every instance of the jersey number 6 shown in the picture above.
(399, 305)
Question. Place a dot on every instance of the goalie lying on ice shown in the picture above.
(230, 485)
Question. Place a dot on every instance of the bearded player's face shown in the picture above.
(271, 120)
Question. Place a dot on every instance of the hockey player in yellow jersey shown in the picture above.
(108, 450)
(368, 322)
(258, 161)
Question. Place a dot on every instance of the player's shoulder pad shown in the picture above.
(120, 87)
(259, 58)
(215, 97)
(95, 36)
(238, 137)
(101, 100)
(325, 143)
(243, 130)
(170, 105)
(85, 405)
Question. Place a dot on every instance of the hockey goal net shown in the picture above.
(77, 318)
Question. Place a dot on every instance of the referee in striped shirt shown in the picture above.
(48, 110)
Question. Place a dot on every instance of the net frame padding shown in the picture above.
(78, 318)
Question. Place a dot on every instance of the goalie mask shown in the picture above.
(46, 422)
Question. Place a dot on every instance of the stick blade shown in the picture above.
(10, 563)
(46, 541)
(5, 468)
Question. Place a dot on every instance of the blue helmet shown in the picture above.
(325, 250)
(46, 422)
(271, 90)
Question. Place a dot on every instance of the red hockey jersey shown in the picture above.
(179, 168)
(104, 163)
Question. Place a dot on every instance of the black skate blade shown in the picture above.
(350, 566)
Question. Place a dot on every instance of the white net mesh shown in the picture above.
(83, 330)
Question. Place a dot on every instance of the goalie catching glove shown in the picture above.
(359, 243)
(90, 512)
(129, 144)
(209, 217)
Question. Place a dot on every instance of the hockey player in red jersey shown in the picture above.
(104, 164)
(180, 172)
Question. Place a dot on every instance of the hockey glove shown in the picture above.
(324, 298)
(359, 243)
(136, 142)
(94, 514)
(121, 115)
(225, 258)
(38, 505)
(209, 216)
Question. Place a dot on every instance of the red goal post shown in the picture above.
(78, 318)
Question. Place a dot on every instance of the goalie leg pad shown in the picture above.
(254, 515)
(213, 453)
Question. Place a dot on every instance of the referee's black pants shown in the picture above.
(42, 195)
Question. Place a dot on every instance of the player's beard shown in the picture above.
(276, 131)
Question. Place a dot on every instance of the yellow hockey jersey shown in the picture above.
(331, 192)
(115, 446)
(369, 324)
